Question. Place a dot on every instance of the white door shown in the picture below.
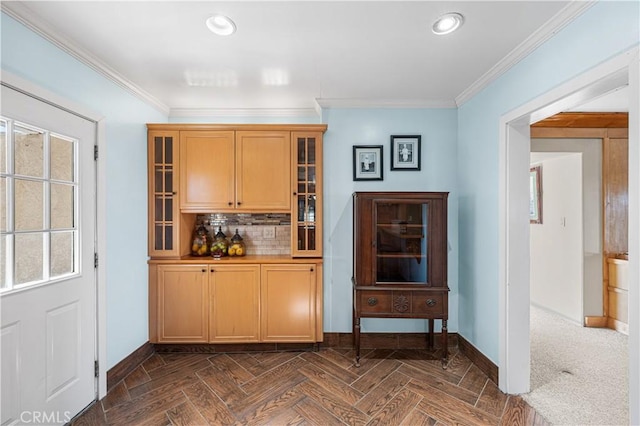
(47, 240)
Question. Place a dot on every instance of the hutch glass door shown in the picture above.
(401, 241)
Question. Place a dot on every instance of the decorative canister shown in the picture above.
(220, 244)
(200, 242)
(237, 247)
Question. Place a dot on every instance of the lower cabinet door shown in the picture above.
(183, 303)
(288, 303)
(234, 292)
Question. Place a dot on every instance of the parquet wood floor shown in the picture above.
(308, 388)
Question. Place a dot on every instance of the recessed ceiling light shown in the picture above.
(447, 23)
(221, 25)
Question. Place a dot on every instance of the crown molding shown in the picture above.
(531, 43)
(384, 103)
(21, 13)
(243, 112)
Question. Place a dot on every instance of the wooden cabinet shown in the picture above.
(239, 302)
(235, 303)
(207, 164)
(400, 259)
(288, 300)
(618, 292)
(163, 208)
(263, 171)
(306, 212)
(229, 171)
(182, 304)
(234, 168)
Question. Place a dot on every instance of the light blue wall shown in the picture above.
(603, 31)
(27, 55)
(460, 155)
(348, 127)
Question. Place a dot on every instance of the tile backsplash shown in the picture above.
(263, 234)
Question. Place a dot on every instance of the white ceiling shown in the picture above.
(297, 55)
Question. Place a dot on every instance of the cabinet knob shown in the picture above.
(295, 193)
(239, 203)
(204, 270)
(230, 203)
(213, 270)
(431, 302)
(311, 269)
(372, 301)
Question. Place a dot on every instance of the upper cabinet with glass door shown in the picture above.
(163, 194)
(306, 212)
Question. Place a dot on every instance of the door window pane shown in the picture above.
(4, 202)
(3, 146)
(28, 152)
(29, 203)
(4, 255)
(61, 159)
(62, 204)
(29, 257)
(62, 253)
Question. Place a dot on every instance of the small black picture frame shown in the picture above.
(367, 162)
(405, 152)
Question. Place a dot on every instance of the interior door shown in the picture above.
(48, 287)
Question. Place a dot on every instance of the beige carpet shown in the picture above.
(579, 375)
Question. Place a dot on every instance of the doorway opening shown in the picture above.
(514, 239)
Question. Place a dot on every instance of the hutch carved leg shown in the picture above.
(356, 339)
(430, 333)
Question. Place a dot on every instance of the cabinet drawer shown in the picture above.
(432, 304)
(375, 301)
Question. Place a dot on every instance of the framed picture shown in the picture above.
(367, 162)
(405, 152)
(535, 194)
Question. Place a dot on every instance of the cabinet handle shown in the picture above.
(174, 193)
(372, 301)
(431, 302)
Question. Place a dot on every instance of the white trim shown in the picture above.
(101, 247)
(531, 43)
(242, 112)
(384, 103)
(634, 242)
(513, 334)
(21, 13)
(101, 206)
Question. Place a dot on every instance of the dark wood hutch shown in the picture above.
(400, 259)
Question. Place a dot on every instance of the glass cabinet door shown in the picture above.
(306, 230)
(401, 242)
(163, 208)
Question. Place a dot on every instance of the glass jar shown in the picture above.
(237, 247)
(200, 242)
(220, 245)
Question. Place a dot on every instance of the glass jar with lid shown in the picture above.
(237, 247)
(220, 245)
(200, 243)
